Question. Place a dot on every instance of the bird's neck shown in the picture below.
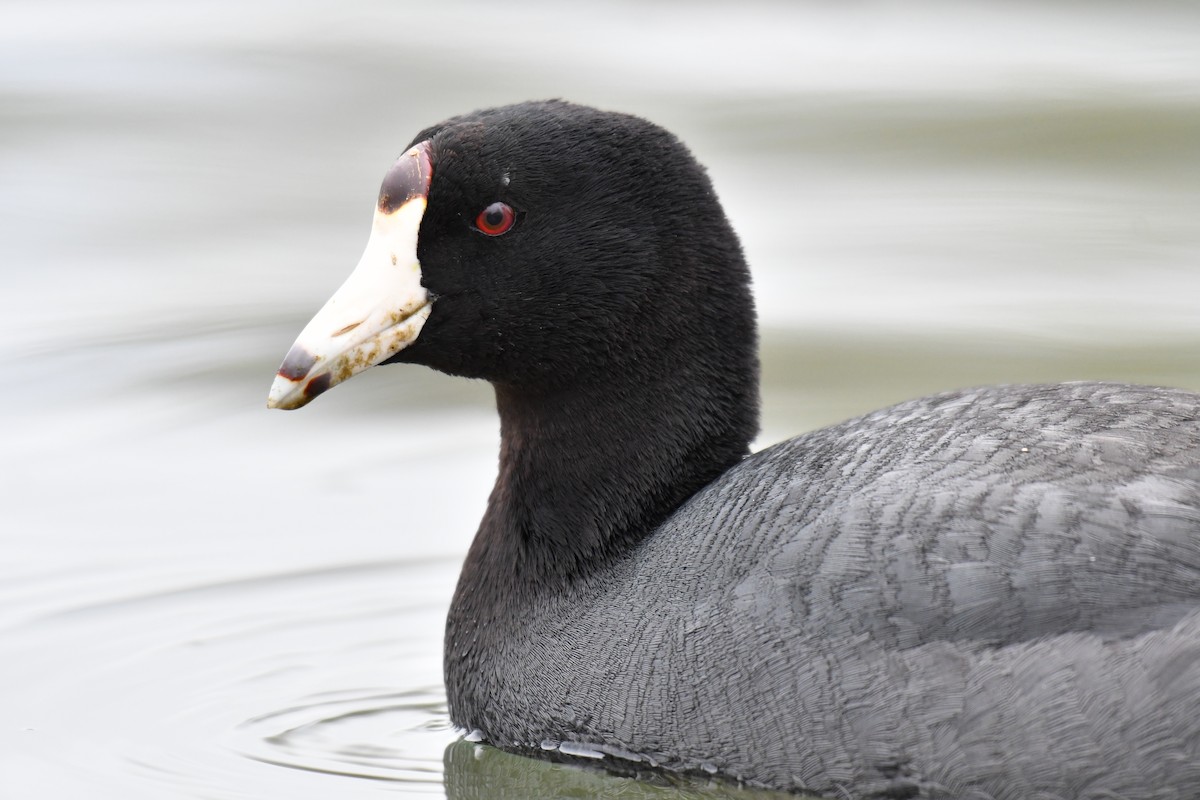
(584, 476)
(597, 450)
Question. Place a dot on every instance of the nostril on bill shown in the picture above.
(317, 386)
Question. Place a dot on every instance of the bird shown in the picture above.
(984, 593)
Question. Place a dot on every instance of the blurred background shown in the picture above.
(203, 599)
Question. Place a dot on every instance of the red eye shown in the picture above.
(496, 219)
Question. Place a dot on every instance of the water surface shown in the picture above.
(203, 599)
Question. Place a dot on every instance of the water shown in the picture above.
(203, 599)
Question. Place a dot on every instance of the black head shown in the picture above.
(557, 247)
(618, 250)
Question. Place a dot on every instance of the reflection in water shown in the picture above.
(479, 772)
(201, 599)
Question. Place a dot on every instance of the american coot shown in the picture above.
(985, 593)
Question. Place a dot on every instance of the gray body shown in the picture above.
(984, 594)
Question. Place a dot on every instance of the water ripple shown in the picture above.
(393, 736)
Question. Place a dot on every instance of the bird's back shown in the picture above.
(993, 591)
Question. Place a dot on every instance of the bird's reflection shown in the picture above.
(479, 772)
